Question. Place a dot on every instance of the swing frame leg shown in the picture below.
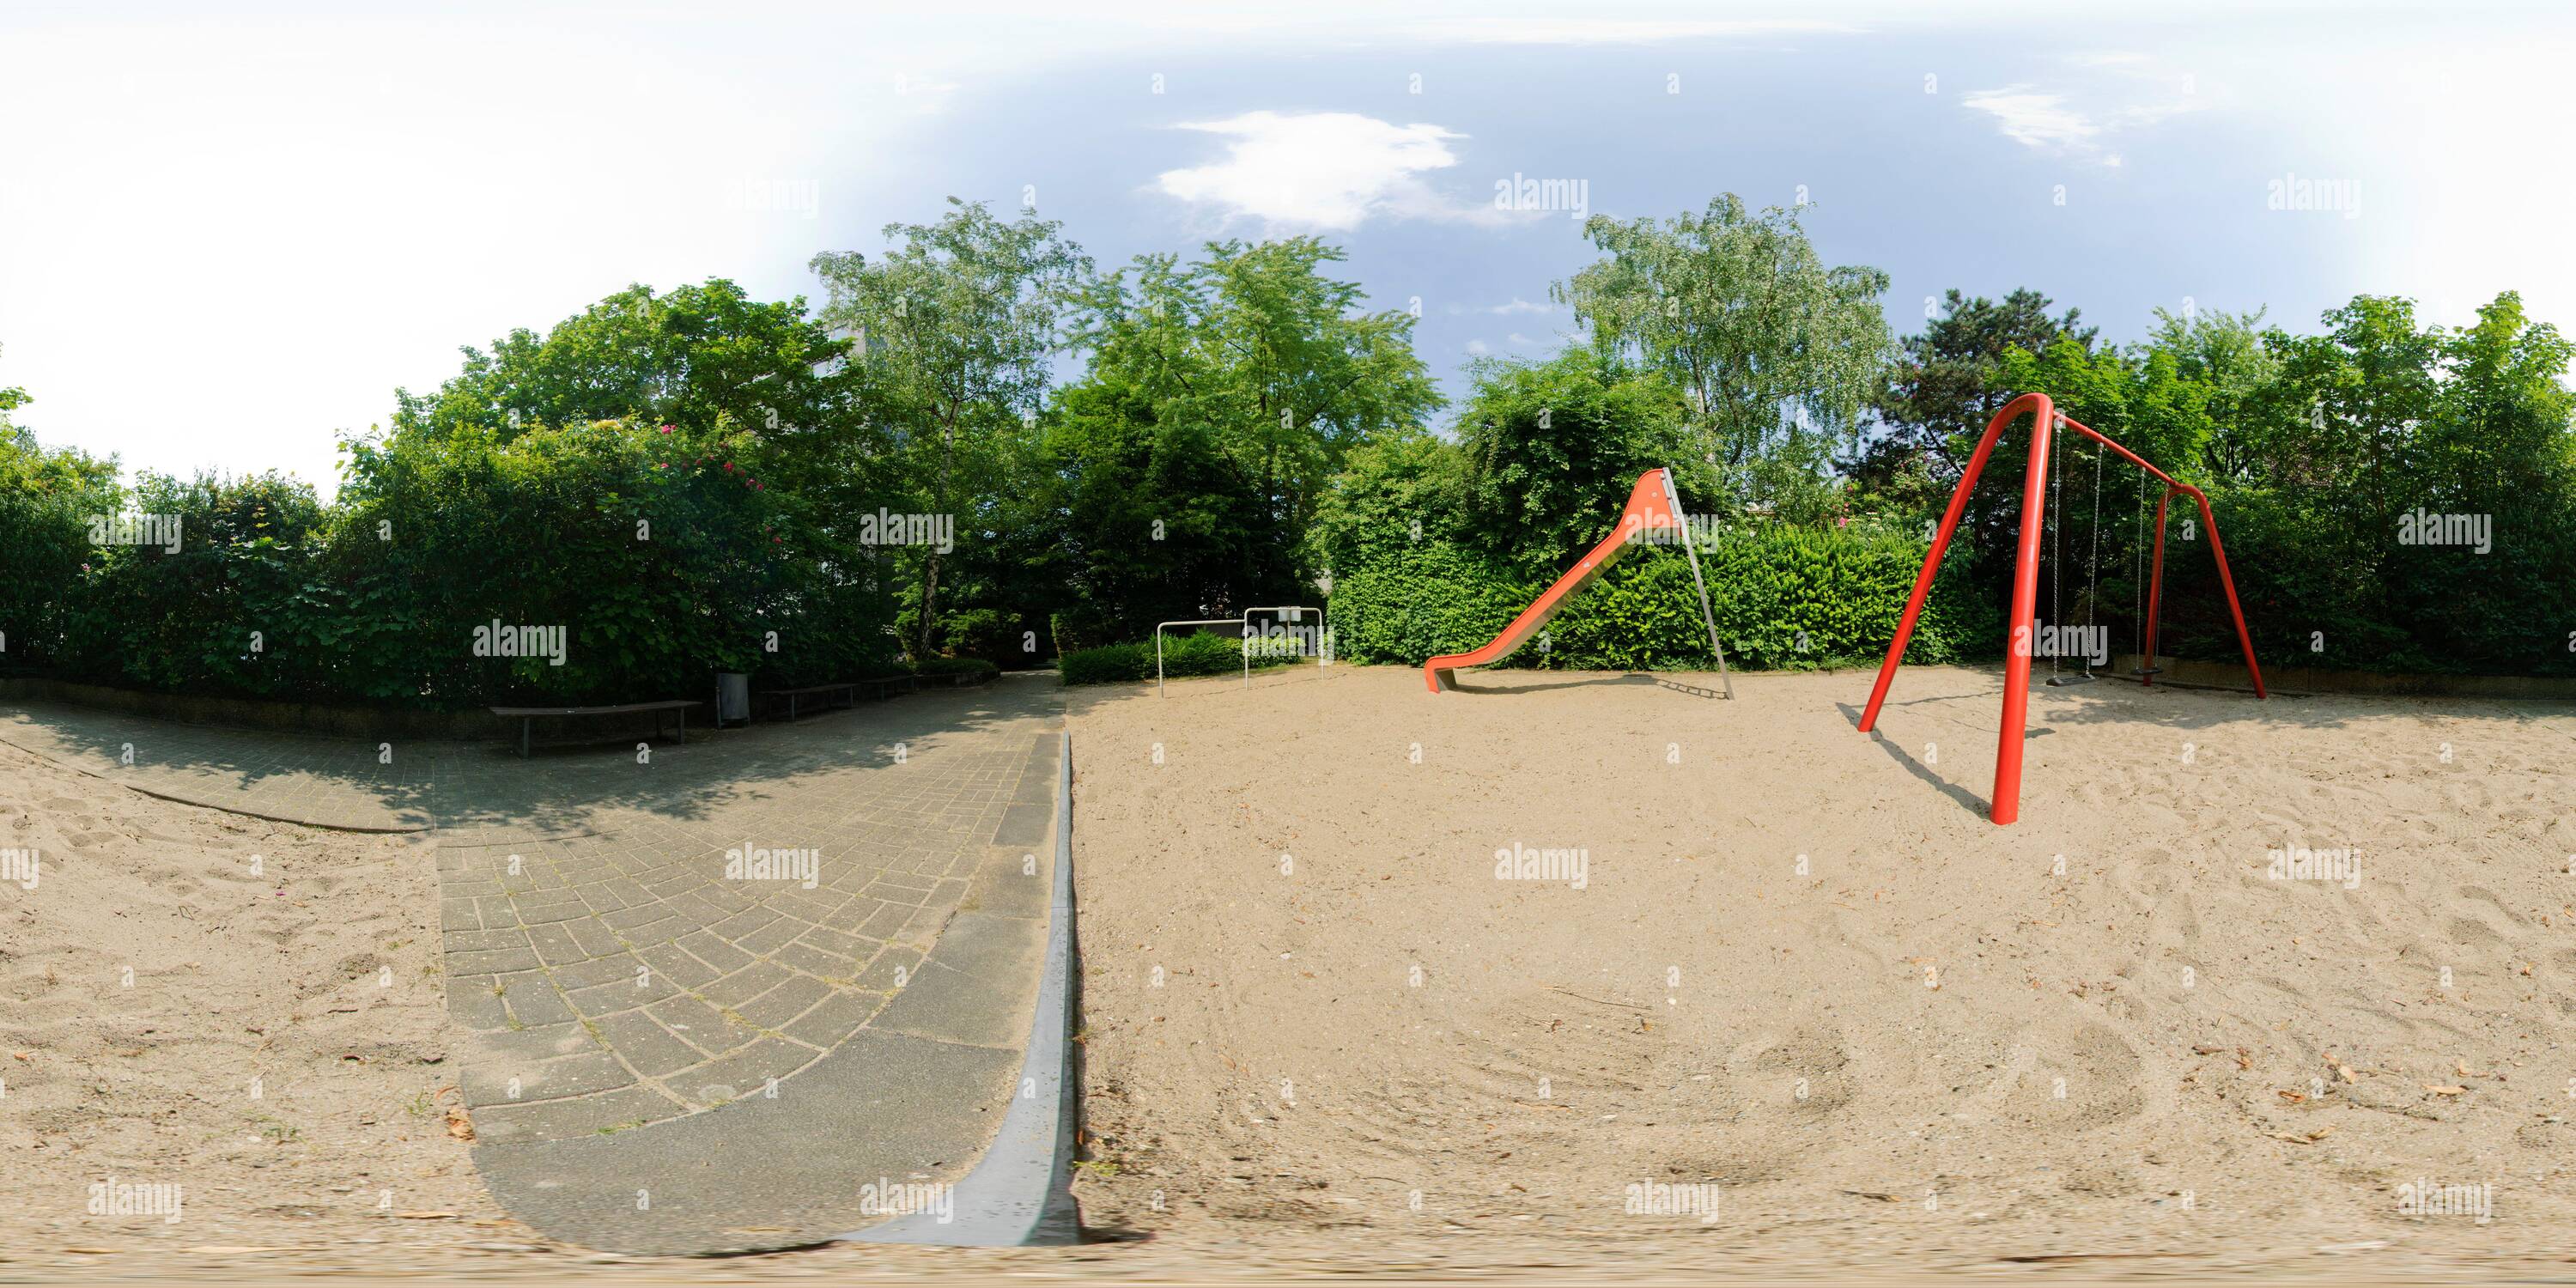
(2005, 803)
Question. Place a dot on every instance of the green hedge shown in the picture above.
(664, 556)
(1784, 597)
(2325, 584)
(1199, 654)
(980, 669)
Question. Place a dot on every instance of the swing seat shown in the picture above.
(2061, 681)
(2146, 670)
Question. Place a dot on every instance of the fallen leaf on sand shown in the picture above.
(2446, 1091)
(2346, 1071)
(1873, 1194)
(425, 1216)
(459, 1125)
(2294, 1097)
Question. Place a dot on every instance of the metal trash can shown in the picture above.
(733, 698)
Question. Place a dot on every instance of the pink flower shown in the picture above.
(666, 429)
(728, 467)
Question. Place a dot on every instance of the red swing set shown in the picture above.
(2045, 419)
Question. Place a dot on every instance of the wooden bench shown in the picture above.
(848, 689)
(528, 715)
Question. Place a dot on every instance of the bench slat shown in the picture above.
(593, 711)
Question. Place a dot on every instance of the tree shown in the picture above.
(1222, 397)
(2227, 358)
(1552, 448)
(1405, 488)
(48, 498)
(1777, 353)
(1255, 341)
(952, 332)
(1948, 381)
(695, 356)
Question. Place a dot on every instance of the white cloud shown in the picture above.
(1478, 348)
(1519, 305)
(2123, 92)
(2040, 120)
(1608, 31)
(1328, 170)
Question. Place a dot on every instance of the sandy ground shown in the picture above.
(2096, 1088)
(248, 1011)
(1804, 979)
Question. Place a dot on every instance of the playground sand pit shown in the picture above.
(271, 1041)
(2283, 985)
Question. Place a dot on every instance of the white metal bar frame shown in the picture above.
(1293, 610)
(1197, 621)
(1323, 626)
(1707, 614)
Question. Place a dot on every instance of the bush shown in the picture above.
(1784, 598)
(1183, 655)
(1433, 597)
(975, 668)
(47, 499)
(663, 555)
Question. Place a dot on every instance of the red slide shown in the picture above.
(1652, 506)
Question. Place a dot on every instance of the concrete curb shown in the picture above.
(1021, 1192)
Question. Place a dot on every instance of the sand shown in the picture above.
(2132, 1066)
(249, 1011)
(1803, 978)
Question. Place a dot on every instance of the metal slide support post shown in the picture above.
(1706, 613)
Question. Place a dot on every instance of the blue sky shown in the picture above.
(221, 241)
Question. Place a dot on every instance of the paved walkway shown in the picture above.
(719, 997)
